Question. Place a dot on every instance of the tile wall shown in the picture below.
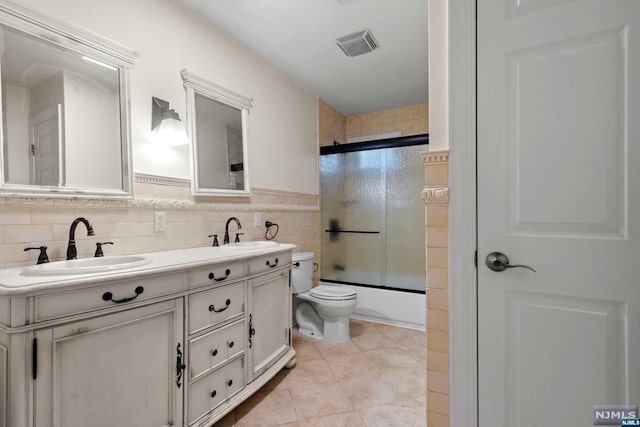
(333, 126)
(436, 199)
(411, 120)
(130, 223)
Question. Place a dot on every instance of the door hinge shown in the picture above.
(34, 358)
(475, 259)
(33, 149)
(289, 336)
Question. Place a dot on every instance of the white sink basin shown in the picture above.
(86, 265)
(251, 246)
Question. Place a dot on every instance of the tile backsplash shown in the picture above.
(129, 224)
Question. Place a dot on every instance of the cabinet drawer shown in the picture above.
(269, 262)
(216, 274)
(215, 348)
(106, 295)
(215, 388)
(217, 305)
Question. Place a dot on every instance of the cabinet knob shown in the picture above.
(229, 383)
(230, 344)
(213, 393)
(214, 352)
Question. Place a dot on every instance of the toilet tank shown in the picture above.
(302, 272)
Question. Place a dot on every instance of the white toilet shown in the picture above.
(321, 312)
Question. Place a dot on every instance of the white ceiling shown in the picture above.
(298, 37)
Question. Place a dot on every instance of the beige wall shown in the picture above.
(439, 74)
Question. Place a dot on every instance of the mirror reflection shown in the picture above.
(218, 122)
(61, 118)
(219, 136)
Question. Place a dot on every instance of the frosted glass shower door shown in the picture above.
(352, 217)
(373, 218)
(404, 238)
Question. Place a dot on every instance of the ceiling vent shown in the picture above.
(357, 43)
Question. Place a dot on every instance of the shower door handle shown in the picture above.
(497, 261)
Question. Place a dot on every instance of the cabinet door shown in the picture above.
(269, 320)
(113, 370)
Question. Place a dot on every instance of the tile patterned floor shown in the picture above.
(378, 379)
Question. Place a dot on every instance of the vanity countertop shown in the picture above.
(14, 283)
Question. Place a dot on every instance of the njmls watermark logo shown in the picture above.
(614, 415)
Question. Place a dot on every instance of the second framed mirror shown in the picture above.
(217, 123)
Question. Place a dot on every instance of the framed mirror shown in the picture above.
(65, 118)
(217, 122)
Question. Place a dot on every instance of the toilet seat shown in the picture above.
(333, 293)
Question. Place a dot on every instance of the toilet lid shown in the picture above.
(333, 293)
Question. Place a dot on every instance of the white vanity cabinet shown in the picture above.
(113, 370)
(180, 342)
(270, 330)
(239, 333)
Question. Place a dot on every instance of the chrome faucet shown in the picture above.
(226, 229)
(72, 253)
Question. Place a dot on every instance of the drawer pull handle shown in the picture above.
(212, 276)
(212, 308)
(108, 296)
(230, 344)
(272, 265)
(213, 394)
(229, 383)
(214, 353)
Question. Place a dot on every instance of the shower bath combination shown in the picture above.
(373, 234)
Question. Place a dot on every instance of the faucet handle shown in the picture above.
(99, 252)
(42, 258)
(238, 237)
(215, 239)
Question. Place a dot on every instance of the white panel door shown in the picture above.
(558, 190)
(46, 146)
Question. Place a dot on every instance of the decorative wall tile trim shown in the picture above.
(268, 192)
(433, 157)
(435, 195)
(149, 202)
(289, 201)
(161, 180)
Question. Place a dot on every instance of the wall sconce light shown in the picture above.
(166, 124)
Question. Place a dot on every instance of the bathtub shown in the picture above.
(388, 306)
